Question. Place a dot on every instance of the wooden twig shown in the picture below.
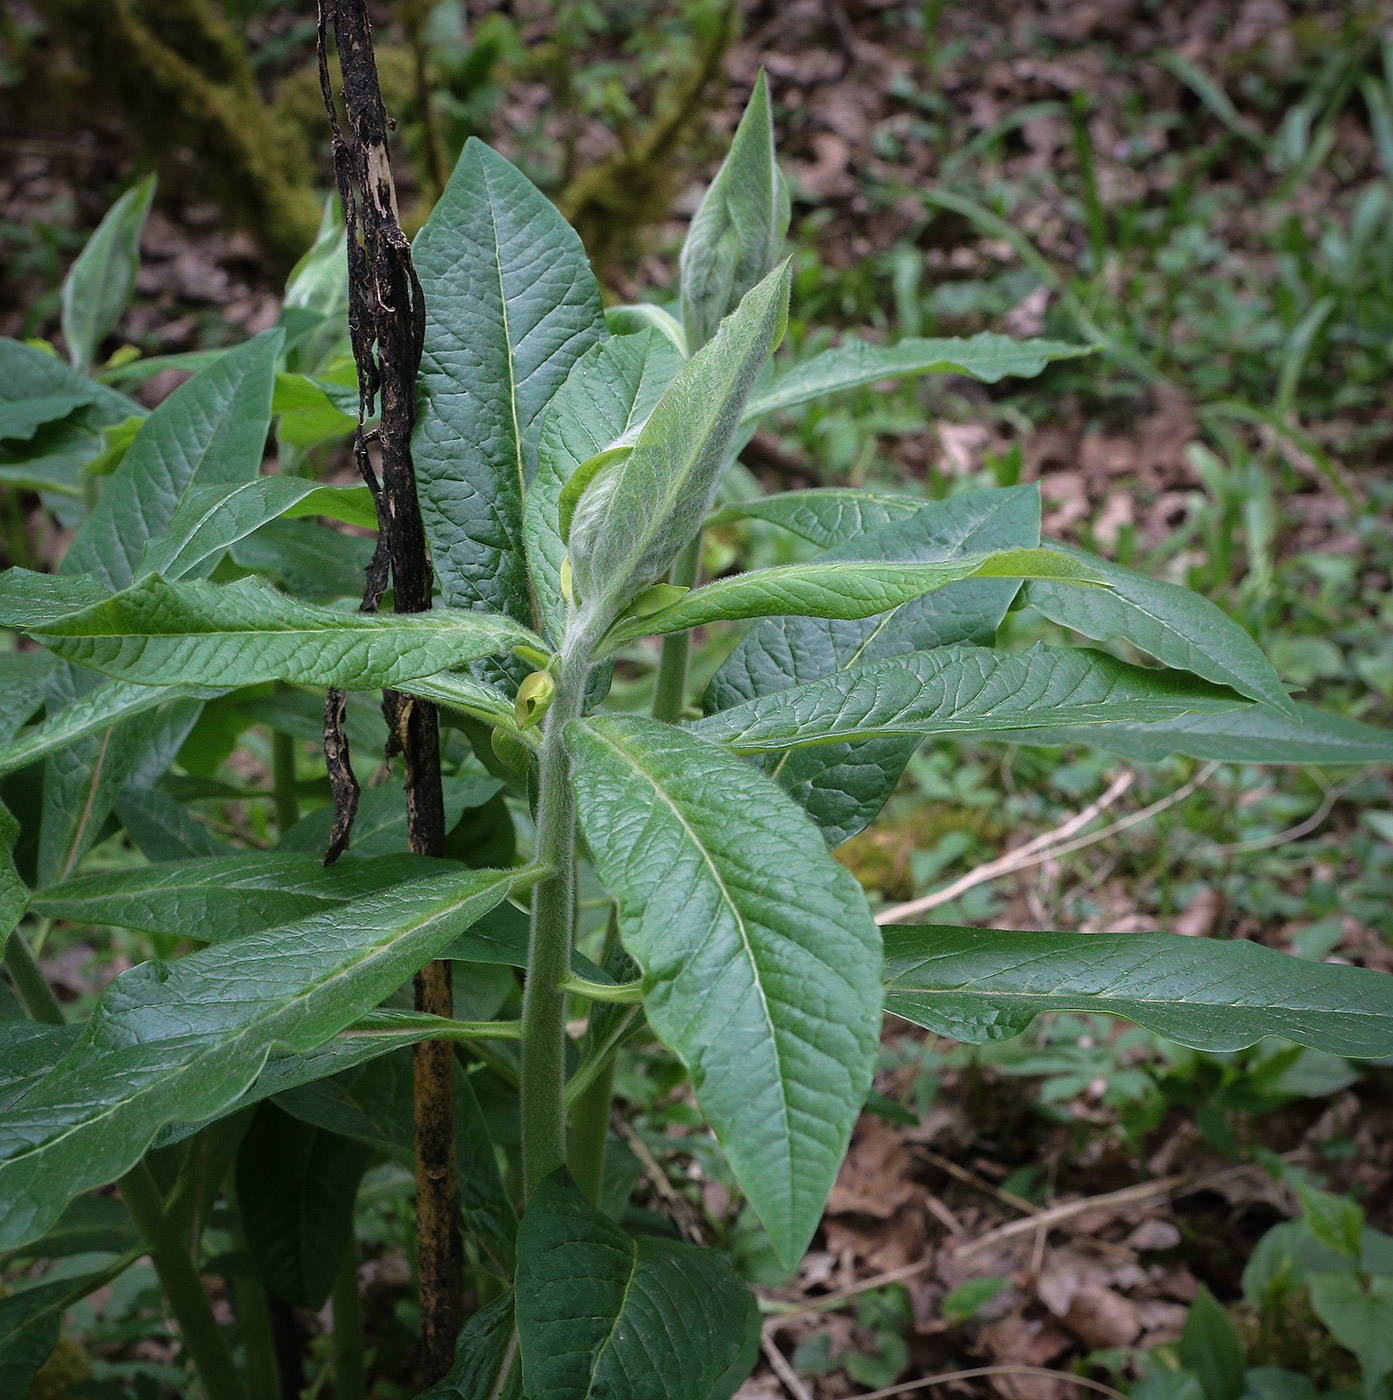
(1051, 845)
(386, 321)
(778, 1363)
(945, 1377)
(1070, 1210)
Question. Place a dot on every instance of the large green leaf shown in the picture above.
(637, 513)
(312, 561)
(851, 588)
(195, 633)
(511, 305)
(20, 421)
(100, 282)
(609, 392)
(760, 961)
(380, 828)
(1176, 626)
(14, 893)
(601, 1312)
(210, 518)
(28, 1053)
(53, 453)
(1248, 734)
(485, 1358)
(738, 229)
(29, 600)
(224, 897)
(183, 1041)
(211, 430)
(854, 362)
(31, 1320)
(372, 1103)
(958, 690)
(1212, 994)
(843, 786)
(831, 515)
(296, 1185)
(23, 679)
(161, 828)
(98, 708)
(83, 780)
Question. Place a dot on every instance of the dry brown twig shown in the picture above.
(1051, 844)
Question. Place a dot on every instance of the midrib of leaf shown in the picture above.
(220, 1047)
(1108, 991)
(534, 607)
(613, 1327)
(93, 782)
(700, 847)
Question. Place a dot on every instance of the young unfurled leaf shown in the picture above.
(534, 698)
(987, 357)
(850, 588)
(100, 282)
(738, 230)
(194, 633)
(629, 525)
(181, 1041)
(961, 690)
(843, 786)
(511, 305)
(604, 1312)
(1179, 628)
(1218, 995)
(760, 960)
(607, 396)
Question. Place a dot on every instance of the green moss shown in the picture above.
(66, 1367)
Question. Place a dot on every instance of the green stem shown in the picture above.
(249, 1294)
(283, 777)
(182, 1286)
(350, 1377)
(590, 1132)
(30, 982)
(598, 1057)
(549, 947)
(670, 692)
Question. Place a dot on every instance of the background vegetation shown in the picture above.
(1203, 190)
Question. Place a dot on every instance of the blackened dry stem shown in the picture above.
(386, 321)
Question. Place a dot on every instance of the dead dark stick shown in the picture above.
(386, 320)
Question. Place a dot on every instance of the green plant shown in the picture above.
(568, 460)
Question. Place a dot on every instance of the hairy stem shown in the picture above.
(182, 1286)
(549, 948)
(671, 691)
(350, 1377)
